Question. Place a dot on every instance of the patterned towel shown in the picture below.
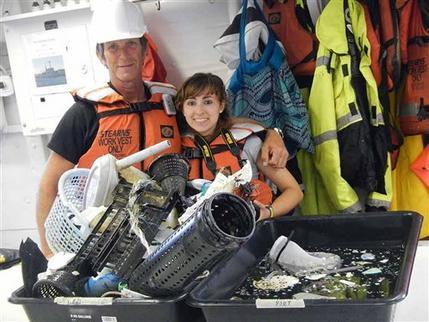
(272, 97)
(264, 88)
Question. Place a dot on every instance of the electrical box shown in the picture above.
(49, 55)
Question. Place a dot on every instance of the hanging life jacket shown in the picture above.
(373, 34)
(404, 11)
(390, 44)
(414, 108)
(126, 128)
(380, 72)
(300, 44)
(223, 154)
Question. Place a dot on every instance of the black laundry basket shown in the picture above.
(219, 226)
(390, 229)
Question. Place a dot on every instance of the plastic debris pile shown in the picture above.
(116, 257)
(364, 273)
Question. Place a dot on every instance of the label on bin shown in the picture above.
(108, 319)
(83, 300)
(77, 317)
(279, 303)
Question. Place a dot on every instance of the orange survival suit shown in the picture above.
(414, 109)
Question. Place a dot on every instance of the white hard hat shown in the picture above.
(116, 20)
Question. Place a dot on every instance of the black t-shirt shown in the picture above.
(75, 132)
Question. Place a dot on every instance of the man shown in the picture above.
(121, 117)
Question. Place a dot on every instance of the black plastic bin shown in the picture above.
(367, 230)
(120, 310)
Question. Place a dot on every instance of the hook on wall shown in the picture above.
(158, 5)
(212, 1)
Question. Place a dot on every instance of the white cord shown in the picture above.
(139, 233)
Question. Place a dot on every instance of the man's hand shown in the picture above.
(273, 150)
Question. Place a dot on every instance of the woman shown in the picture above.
(216, 142)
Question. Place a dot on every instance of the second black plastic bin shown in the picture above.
(390, 229)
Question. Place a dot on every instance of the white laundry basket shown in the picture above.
(66, 229)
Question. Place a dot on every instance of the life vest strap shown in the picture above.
(230, 141)
(195, 153)
(207, 152)
(388, 43)
(312, 55)
(132, 108)
(418, 40)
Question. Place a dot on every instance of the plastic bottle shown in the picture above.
(97, 286)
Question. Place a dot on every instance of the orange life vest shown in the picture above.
(300, 44)
(404, 9)
(373, 35)
(223, 154)
(389, 35)
(414, 109)
(128, 128)
(380, 71)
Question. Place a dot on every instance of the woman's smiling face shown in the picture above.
(202, 113)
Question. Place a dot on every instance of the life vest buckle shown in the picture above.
(190, 153)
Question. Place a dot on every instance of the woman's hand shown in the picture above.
(273, 150)
(264, 212)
